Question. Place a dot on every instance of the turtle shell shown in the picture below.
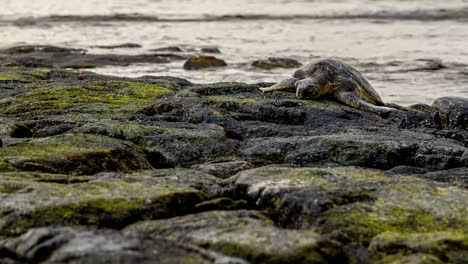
(332, 68)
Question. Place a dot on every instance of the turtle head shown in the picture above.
(308, 89)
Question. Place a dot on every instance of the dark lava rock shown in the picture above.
(243, 234)
(457, 176)
(201, 62)
(210, 50)
(45, 49)
(452, 112)
(120, 46)
(112, 200)
(272, 63)
(360, 205)
(55, 57)
(68, 245)
(218, 173)
(446, 102)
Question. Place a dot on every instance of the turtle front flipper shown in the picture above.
(283, 85)
(349, 98)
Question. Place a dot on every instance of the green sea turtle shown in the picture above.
(336, 79)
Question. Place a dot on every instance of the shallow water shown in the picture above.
(394, 43)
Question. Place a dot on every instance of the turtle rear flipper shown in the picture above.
(289, 83)
(349, 98)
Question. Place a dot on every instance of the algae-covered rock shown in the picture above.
(96, 97)
(201, 62)
(109, 200)
(354, 205)
(74, 154)
(446, 246)
(243, 234)
(351, 203)
(73, 145)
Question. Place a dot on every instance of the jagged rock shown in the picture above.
(369, 148)
(243, 234)
(437, 247)
(201, 62)
(73, 153)
(452, 114)
(105, 200)
(68, 245)
(353, 204)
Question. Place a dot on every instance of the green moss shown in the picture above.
(73, 153)
(11, 76)
(113, 203)
(133, 89)
(41, 73)
(98, 97)
(402, 207)
(5, 166)
(443, 245)
(409, 259)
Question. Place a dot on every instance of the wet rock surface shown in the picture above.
(102, 169)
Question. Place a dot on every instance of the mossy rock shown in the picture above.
(108, 200)
(353, 204)
(73, 154)
(97, 97)
(243, 234)
(449, 247)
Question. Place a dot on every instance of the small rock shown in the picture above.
(210, 50)
(406, 170)
(450, 101)
(272, 63)
(201, 62)
(120, 46)
(453, 112)
(168, 49)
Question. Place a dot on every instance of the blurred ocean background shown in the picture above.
(412, 51)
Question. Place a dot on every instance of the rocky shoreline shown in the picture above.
(102, 169)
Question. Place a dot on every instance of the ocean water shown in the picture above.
(411, 51)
